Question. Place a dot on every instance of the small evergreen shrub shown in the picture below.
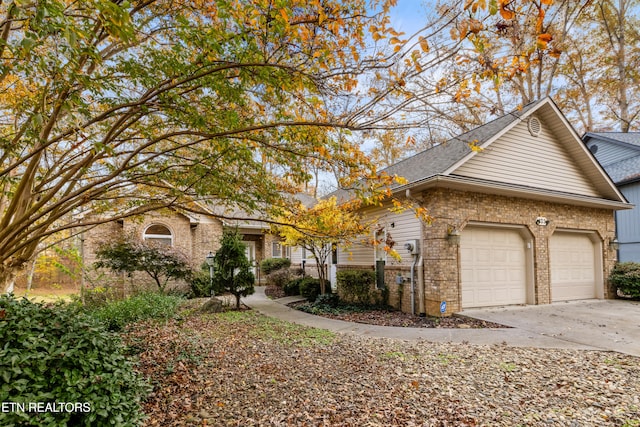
(200, 283)
(310, 288)
(58, 355)
(270, 265)
(150, 305)
(355, 286)
(625, 276)
(292, 287)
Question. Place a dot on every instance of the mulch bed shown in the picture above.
(394, 317)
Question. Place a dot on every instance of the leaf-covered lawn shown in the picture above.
(241, 368)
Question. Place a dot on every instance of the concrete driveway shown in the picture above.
(601, 324)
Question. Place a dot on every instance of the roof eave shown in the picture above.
(510, 190)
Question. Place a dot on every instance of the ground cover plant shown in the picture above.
(116, 315)
(60, 356)
(241, 368)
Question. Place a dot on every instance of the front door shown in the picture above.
(250, 252)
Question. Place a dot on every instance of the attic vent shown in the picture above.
(534, 126)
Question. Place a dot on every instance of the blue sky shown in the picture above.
(409, 16)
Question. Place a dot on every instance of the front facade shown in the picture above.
(619, 155)
(526, 218)
(193, 235)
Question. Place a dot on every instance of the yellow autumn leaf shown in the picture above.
(424, 45)
(506, 13)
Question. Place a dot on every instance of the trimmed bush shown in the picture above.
(310, 288)
(200, 282)
(279, 278)
(355, 286)
(270, 265)
(56, 355)
(292, 287)
(625, 276)
(150, 305)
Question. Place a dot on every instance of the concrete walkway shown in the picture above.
(516, 337)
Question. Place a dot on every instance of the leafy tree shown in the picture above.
(122, 107)
(232, 269)
(160, 262)
(118, 108)
(319, 229)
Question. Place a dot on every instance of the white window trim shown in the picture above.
(284, 252)
(151, 237)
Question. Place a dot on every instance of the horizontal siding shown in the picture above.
(405, 227)
(609, 153)
(628, 223)
(520, 158)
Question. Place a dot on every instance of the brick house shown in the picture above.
(192, 234)
(526, 219)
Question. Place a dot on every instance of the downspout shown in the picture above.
(420, 265)
(418, 261)
(413, 284)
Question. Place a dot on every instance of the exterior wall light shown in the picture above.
(453, 235)
(614, 244)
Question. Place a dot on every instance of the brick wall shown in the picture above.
(194, 240)
(458, 209)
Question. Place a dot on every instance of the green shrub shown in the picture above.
(151, 305)
(310, 288)
(292, 287)
(200, 282)
(327, 300)
(55, 354)
(625, 276)
(270, 265)
(356, 285)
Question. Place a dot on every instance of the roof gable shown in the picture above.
(578, 177)
(541, 161)
(577, 171)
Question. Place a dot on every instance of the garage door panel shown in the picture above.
(572, 259)
(493, 267)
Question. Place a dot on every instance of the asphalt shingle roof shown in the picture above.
(623, 170)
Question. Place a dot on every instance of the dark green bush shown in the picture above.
(356, 285)
(270, 265)
(200, 283)
(328, 300)
(625, 276)
(310, 288)
(56, 355)
(292, 287)
(150, 305)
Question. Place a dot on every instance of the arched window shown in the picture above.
(158, 233)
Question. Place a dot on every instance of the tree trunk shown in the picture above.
(30, 273)
(7, 279)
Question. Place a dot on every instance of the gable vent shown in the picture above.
(534, 126)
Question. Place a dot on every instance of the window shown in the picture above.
(280, 251)
(158, 233)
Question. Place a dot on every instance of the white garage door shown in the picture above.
(493, 267)
(572, 258)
